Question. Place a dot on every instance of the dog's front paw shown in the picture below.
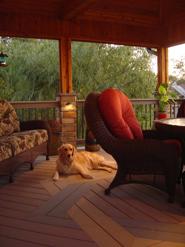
(56, 177)
(88, 176)
(109, 170)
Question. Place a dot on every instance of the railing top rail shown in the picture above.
(135, 101)
(55, 103)
(35, 104)
(139, 100)
(144, 101)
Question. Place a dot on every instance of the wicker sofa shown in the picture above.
(20, 142)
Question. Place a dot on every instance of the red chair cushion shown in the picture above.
(118, 114)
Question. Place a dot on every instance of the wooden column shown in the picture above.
(68, 118)
(65, 65)
(162, 55)
(66, 98)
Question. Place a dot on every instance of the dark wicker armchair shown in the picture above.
(147, 156)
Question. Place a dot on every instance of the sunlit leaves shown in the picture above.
(33, 71)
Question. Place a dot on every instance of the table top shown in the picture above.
(171, 121)
(171, 126)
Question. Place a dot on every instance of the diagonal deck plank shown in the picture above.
(55, 221)
(94, 230)
(35, 211)
(43, 228)
(18, 243)
(61, 209)
(120, 204)
(16, 206)
(136, 201)
(54, 201)
(43, 239)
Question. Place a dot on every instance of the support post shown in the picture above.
(162, 60)
(66, 98)
(65, 65)
(68, 117)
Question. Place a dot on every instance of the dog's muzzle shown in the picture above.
(70, 157)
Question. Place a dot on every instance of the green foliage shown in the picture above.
(165, 96)
(33, 69)
(6, 93)
(98, 66)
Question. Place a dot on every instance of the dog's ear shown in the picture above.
(60, 149)
(74, 150)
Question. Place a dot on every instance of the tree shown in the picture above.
(98, 66)
(33, 70)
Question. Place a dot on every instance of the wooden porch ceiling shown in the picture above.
(153, 23)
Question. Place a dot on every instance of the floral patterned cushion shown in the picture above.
(9, 122)
(5, 150)
(21, 141)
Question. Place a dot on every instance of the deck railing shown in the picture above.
(31, 110)
(145, 110)
(49, 110)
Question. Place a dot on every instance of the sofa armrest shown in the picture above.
(36, 124)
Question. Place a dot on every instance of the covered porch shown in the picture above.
(154, 25)
(37, 212)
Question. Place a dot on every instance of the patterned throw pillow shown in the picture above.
(9, 122)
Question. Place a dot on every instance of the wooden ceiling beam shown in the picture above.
(75, 8)
(41, 27)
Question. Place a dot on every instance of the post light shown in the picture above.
(3, 57)
(69, 107)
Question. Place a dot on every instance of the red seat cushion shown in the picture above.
(118, 114)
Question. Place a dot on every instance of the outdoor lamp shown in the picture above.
(69, 107)
(3, 57)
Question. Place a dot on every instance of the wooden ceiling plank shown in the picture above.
(49, 8)
(149, 21)
(90, 31)
(157, 22)
(73, 9)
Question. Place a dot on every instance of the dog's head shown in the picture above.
(66, 153)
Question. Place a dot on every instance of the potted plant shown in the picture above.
(165, 96)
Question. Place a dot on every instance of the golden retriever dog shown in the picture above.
(71, 161)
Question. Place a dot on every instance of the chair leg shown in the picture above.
(183, 183)
(31, 166)
(11, 179)
(179, 179)
(172, 175)
(171, 180)
(118, 180)
(171, 186)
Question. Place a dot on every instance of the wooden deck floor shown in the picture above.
(74, 211)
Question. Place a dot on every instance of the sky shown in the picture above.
(175, 53)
